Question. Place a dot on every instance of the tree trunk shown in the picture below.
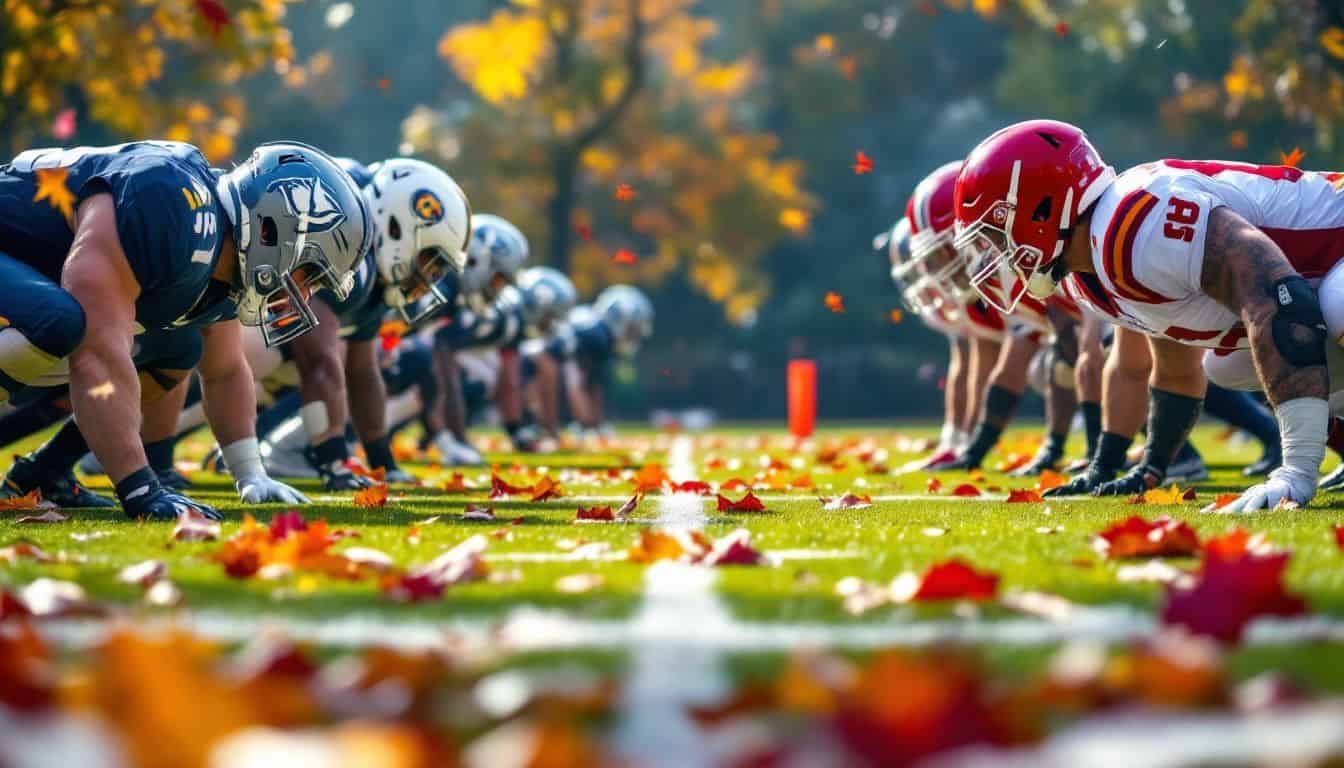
(564, 175)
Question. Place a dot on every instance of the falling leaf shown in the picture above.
(546, 489)
(624, 256)
(1332, 40)
(950, 580)
(595, 514)
(50, 516)
(373, 496)
(824, 44)
(578, 583)
(1024, 497)
(654, 545)
(478, 512)
(1137, 537)
(215, 16)
(63, 126)
(748, 503)
(1238, 139)
(51, 187)
(1292, 159)
(862, 163)
(734, 549)
(625, 193)
(895, 316)
(835, 302)
(795, 220)
(966, 490)
(848, 501)
(584, 232)
(1062, 29)
(849, 67)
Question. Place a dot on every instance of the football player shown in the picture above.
(97, 243)
(1194, 255)
(548, 296)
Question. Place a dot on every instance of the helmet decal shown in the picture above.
(311, 203)
(427, 206)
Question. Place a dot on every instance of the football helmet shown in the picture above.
(300, 225)
(1019, 195)
(628, 314)
(495, 253)
(944, 284)
(548, 295)
(424, 225)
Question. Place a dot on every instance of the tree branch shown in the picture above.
(635, 68)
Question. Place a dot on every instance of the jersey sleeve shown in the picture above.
(1152, 248)
(167, 223)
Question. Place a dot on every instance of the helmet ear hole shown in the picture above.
(270, 234)
(393, 228)
(1042, 212)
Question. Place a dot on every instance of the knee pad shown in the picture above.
(1298, 326)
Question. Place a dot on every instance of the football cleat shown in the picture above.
(1333, 481)
(941, 460)
(1189, 470)
(64, 492)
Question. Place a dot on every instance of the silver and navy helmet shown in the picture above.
(495, 253)
(300, 225)
(628, 313)
(547, 297)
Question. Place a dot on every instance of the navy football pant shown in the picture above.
(40, 325)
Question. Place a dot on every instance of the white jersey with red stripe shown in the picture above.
(1148, 231)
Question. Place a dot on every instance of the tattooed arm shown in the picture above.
(1241, 267)
(1245, 271)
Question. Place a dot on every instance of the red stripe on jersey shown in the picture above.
(1312, 252)
(1188, 334)
(1118, 248)
(1228, 344)
(1215, 167)
(1095, 295)
(1066, 305)
(984, 315)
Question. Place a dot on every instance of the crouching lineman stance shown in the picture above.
(1194, 255)
(143, 236)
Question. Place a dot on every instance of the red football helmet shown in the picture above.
(1018, 196)
(930, 211)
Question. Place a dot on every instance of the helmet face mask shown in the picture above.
(300, 225)
(1000, 269)
(495, 253)
(628, 314)
(547, 296)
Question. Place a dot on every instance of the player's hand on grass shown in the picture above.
(1141, 478)
(1283, 485)
(1083, 484)
(143, 498)
(263, 489)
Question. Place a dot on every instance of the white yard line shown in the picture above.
(782, 555)
(774, 497)
(667, 675)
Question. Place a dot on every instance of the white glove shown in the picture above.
(262, 488)
(250, 478)
(456, 454)
(1282, 484)
(1302, 432)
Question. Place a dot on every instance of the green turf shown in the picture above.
(882, 541)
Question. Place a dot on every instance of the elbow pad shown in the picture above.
(1298, 326)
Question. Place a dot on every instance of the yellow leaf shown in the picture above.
(795, 220)
(1332, 40)
(497, 58)
(51, 187)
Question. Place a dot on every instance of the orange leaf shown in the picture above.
(373, 496)
(546, 489)
(966, 490)
(934, 485)
(29, 500)
(862, 163)
(456, 484)
(500, 488)
(1223, 499)
(734, 484)
(1136, 537)
(1172, 495)
(951, 580)
(1027, 496)
(835, 302)
(653, 546)
(1292, 159)
(625, 193)
(650, 477)
(596, 514)
(895, 316)
(624, 256)
(1049, 480)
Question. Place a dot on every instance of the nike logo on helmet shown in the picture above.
(311, 203)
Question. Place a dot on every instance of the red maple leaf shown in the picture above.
(596, 514)
(584, 232)
(215, 16)
(1136, 537)
(950, 580)
(624, 256)
(1231, 589)
(625, 193)
(862, 163)
(734, 549)
(748, 503)
(966, 490)
(1027, 496)
(835, 302)
(698, 487)
(1062, 28)
(285, 523)
(934, 485)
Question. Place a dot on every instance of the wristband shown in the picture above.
(243, 458)
(142, 482)
(1303, 426)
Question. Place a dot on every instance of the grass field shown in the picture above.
(729, 626)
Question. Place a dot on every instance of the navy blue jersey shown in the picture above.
(585, 339)
(168, 220)
(499, 326)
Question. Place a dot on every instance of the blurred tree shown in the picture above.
(163, 69)
(608, 125)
